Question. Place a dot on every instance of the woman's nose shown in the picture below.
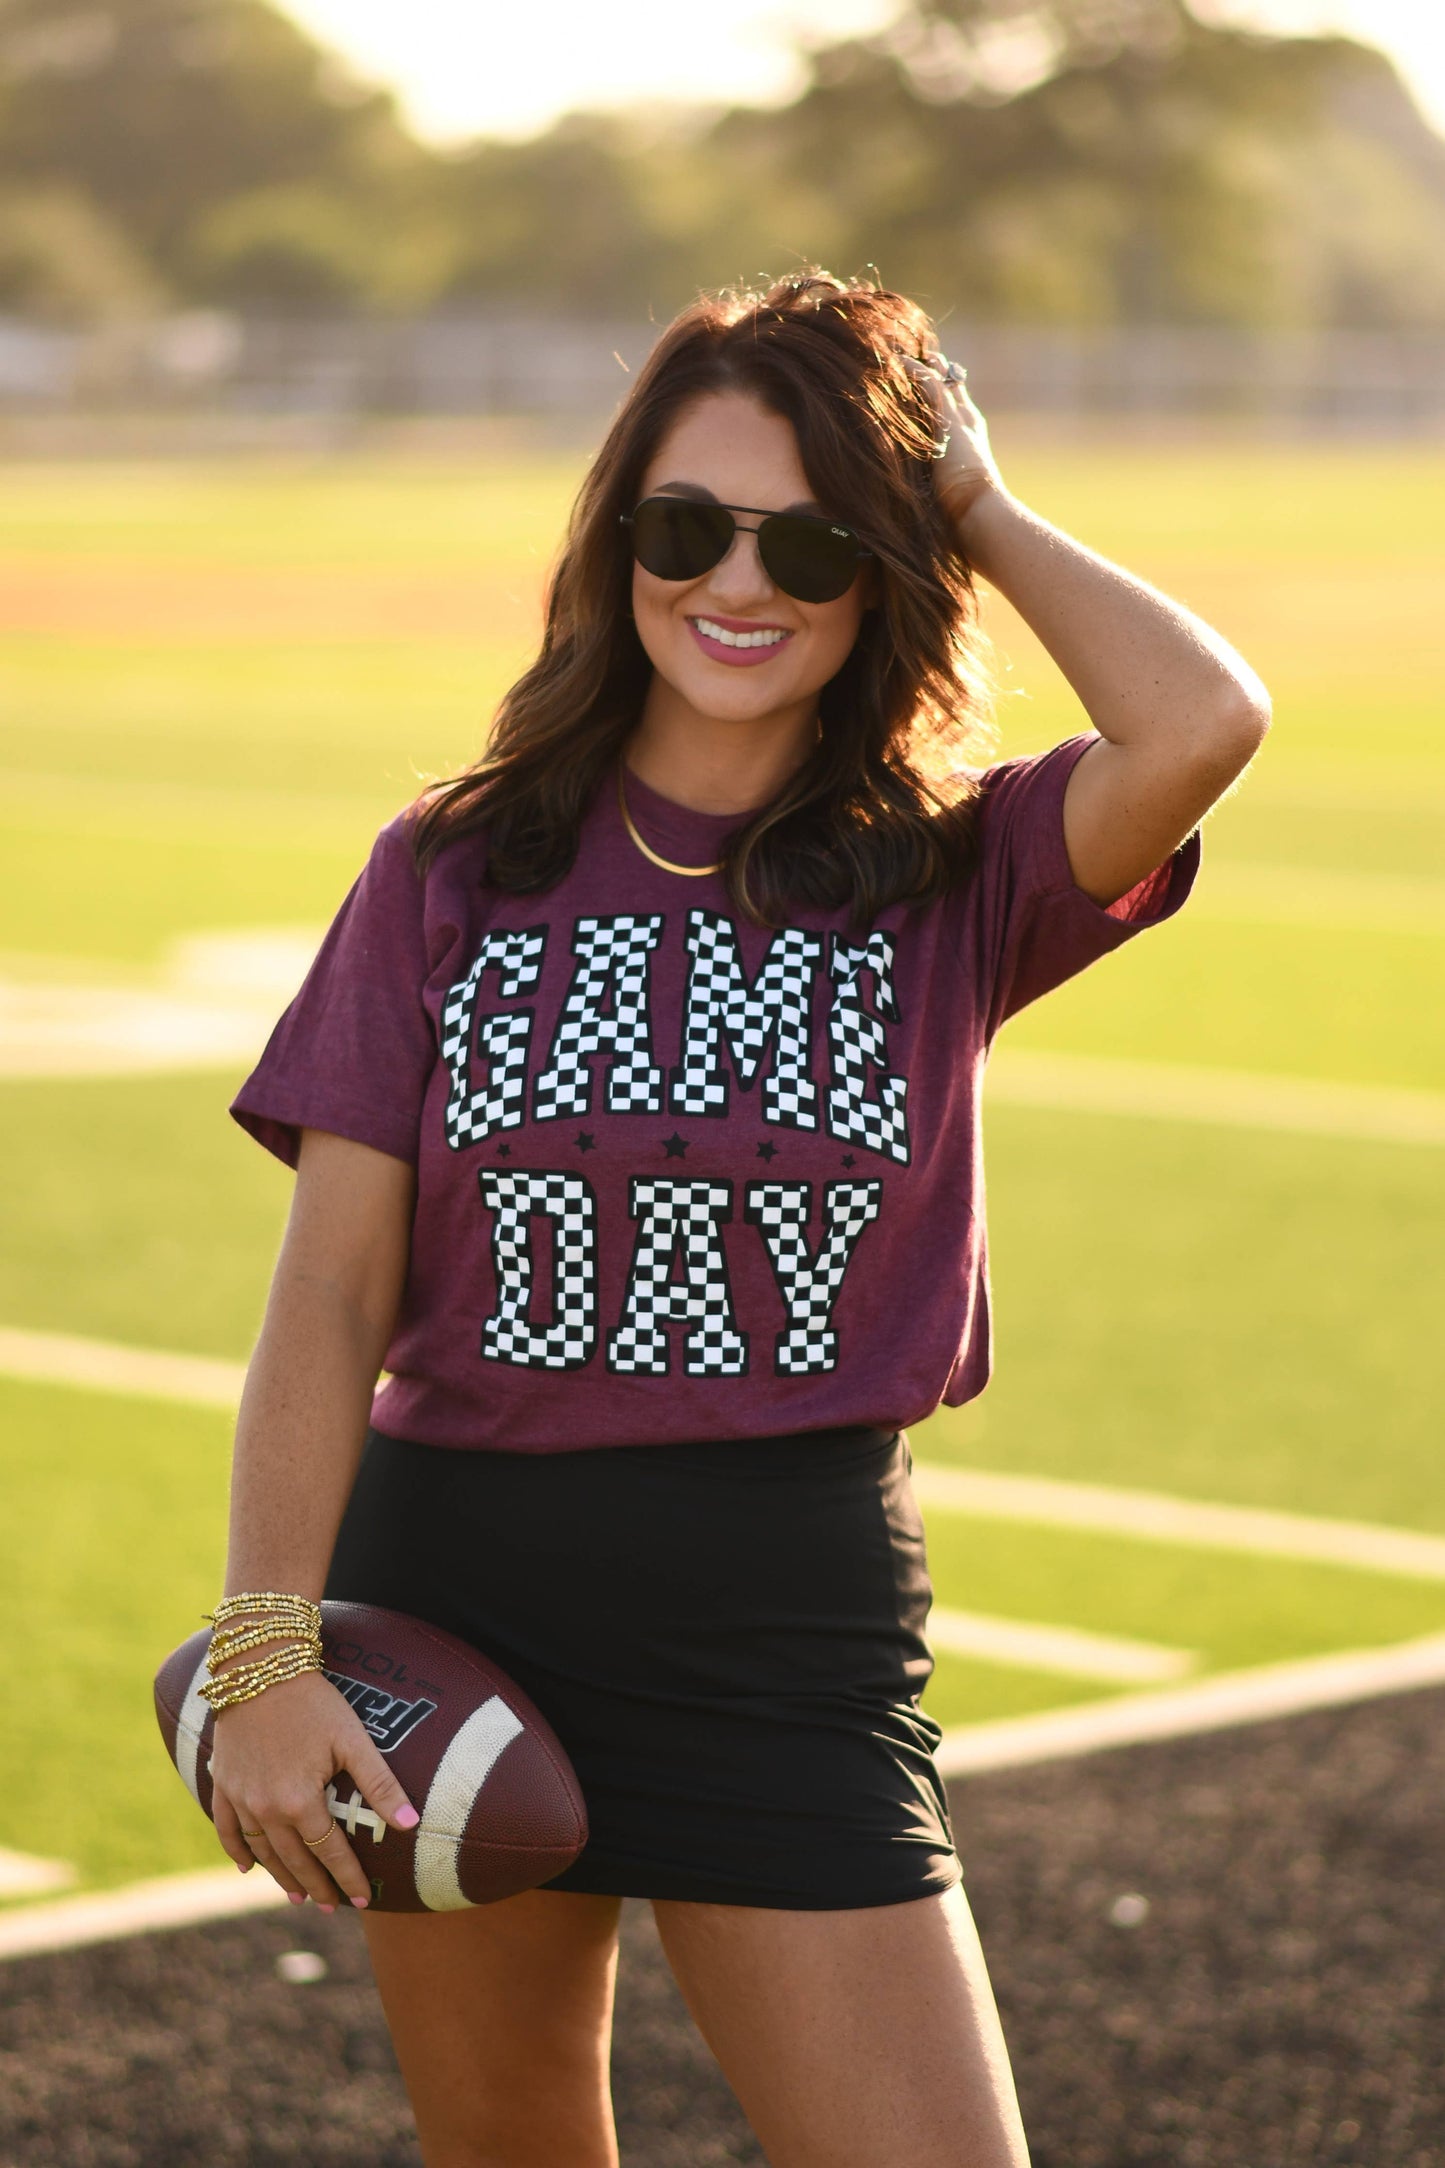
(741, 571)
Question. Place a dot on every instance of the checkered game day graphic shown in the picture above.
(748, 1054)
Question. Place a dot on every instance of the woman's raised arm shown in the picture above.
(1180, 713)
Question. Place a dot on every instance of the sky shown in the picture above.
(476, 67)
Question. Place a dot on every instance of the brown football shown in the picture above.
(499, 1803)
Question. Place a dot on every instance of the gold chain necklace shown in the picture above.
(692, 872)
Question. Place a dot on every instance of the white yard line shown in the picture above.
(171, 1900)
(209, 1004)
(96, 1031)
(1155, 1517)
(1069, 1649)
(214, 997)
(57, 1358)
(1209, 1704)
(1234, 1098)
(61, 1358)
(24, 1876)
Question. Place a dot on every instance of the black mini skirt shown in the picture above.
(728, 1639)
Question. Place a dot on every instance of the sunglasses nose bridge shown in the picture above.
(730, 558)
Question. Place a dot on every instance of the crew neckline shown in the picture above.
(678, 830)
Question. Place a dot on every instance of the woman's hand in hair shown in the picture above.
(965, 470)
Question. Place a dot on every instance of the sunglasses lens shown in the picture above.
(676, 539)
(807, 559)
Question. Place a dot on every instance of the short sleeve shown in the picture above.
(1041, 927)
(355, 1049)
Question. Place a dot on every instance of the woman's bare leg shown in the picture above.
(865, 2039)
(502, 2021)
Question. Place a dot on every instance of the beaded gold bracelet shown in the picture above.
(251, 1631)
(267, 1600)
(247, 1681)
(260, 1618)
(226, 1645)
(266, 1616)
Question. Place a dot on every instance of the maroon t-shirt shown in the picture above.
(680, 1176)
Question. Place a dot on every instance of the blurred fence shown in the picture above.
(514, 364)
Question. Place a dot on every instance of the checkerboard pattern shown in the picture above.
(719, 999)
(809, 1285)
(510, 1336)
(678, 1218)
(858, 1044)
(475, 1112)
(611, 953)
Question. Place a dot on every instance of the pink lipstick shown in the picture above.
(721, 651)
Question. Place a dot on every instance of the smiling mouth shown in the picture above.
(764, 636)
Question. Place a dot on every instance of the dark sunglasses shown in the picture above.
(809, 558)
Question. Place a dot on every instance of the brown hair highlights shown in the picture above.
(880, 812)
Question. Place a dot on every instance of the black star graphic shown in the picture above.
(767, 1151)
(847, 1159)
(504, 1151)
(674, 1146)
(585, 1141)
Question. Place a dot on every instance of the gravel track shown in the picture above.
(1276, 2001)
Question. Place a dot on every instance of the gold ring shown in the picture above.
(312, 1842)
(248, 1834)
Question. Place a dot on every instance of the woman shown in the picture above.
(633, 1098)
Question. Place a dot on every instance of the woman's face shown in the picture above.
(728, 447)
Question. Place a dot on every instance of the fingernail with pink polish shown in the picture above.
(407, 1817)
(295, 1896)
(361, 1903)
(325, 1908)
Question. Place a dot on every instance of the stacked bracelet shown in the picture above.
(265, 1616)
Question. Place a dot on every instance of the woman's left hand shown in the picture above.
(966, 470)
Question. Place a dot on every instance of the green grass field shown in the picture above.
(217, 681)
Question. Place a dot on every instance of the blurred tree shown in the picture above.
(162, 111)
(1109, 160)
(283, 248)
(1065, 161)
(63, 262)
(566, 218)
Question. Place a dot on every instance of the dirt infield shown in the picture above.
(1226, 1951)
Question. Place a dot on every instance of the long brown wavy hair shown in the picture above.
(881, 811)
